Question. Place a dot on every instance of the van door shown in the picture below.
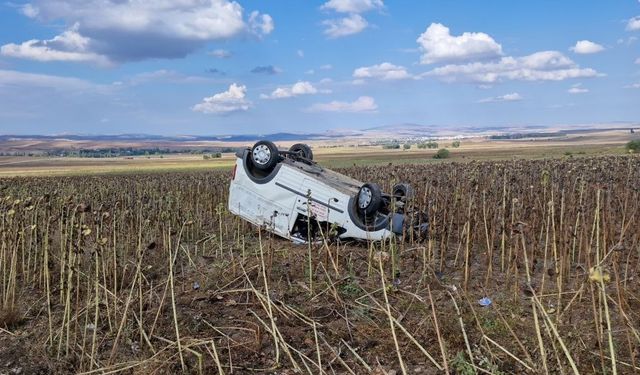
(319, 200)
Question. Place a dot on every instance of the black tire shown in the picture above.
(403, 192)
(302, 150)
(369, 199)
(264, 155)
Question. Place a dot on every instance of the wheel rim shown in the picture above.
(261, 154)
(364, 198)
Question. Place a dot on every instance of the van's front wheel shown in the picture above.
(264, 155)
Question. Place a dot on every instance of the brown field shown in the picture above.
(149, 273)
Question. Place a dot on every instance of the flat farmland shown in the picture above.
(331, 154)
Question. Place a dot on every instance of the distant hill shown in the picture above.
(178, 138)
(57, 144)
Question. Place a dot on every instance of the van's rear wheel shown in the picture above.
(302, 150)
(369, 198)
(403, 192)
(264, 155)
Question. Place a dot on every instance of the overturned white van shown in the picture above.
(290, 195)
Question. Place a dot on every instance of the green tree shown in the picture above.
(455, 144)
(391, 146)
(442, 153)
(406, 146)
(633, 146)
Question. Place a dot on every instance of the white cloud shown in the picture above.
(188, 19)
(326, 67)
(438, 45)
(261, 24)
(232, 100)
(30, 11)
(68, 46)
(340, 27)
(630, 40)
(638, 60)
(586, 47)
(362, 104)
(633, 86)
(220, 53)
(21, 79)
(513, 97)
(297, 89)
(300, 53)
(384, 71)
(352, 6)
(137, 30)
(633, 24)
(540, 66)
(164, 75)
(577, 89)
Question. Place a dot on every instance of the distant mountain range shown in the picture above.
(402, 130)
(177, 138)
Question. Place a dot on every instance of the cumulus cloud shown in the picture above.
(232, 100)
(340, 27)
(352, 6)
(362, 104)
(260, 24)
(297, 89)
(220, 53)
(385, 71)
(68, 46)
(438, 45)
(586, 47)
(513, 97)
(136, 30)
(633, 86)
(351, 24)
(539, 66)
(633, 24)
(266, 69)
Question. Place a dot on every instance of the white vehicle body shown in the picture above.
(293, 191)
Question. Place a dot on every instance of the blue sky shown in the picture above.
(223, 67)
